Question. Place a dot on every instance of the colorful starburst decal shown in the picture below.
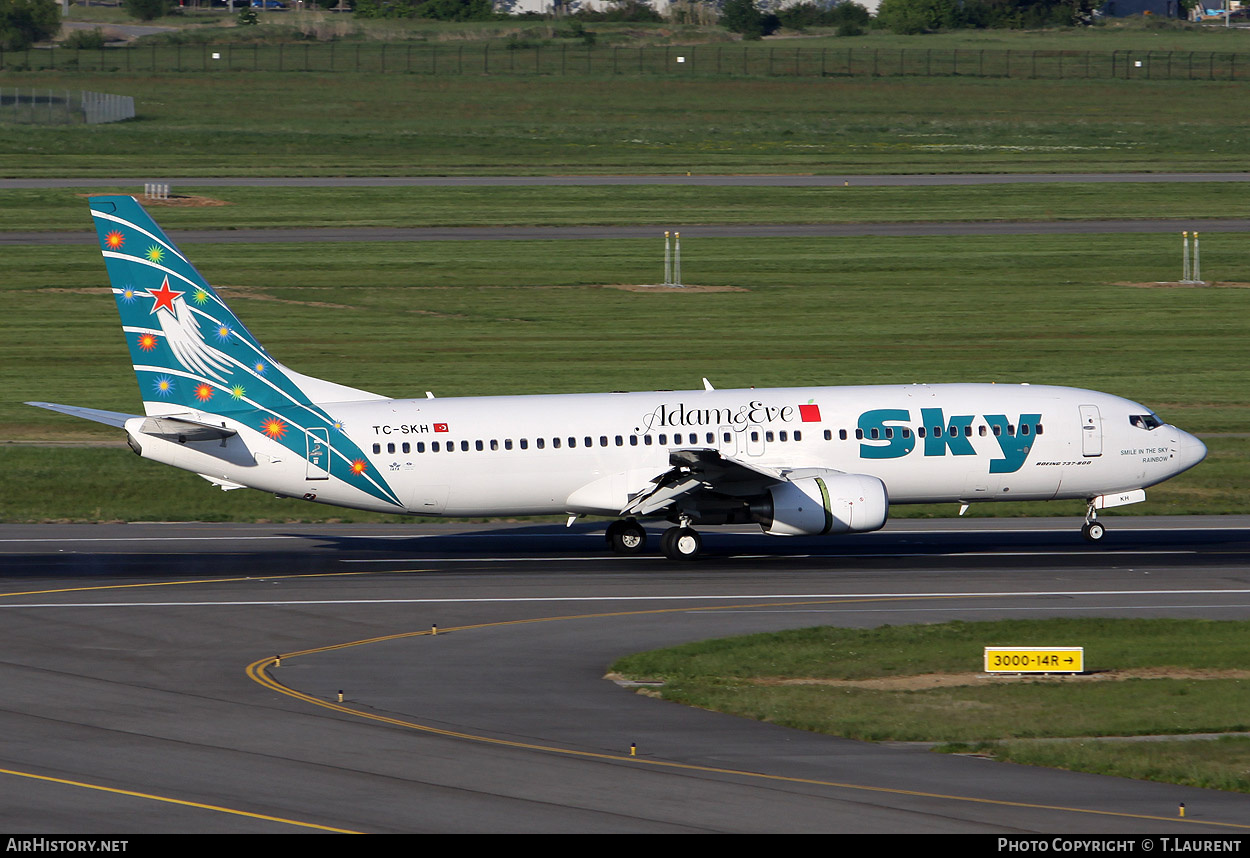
(154, 253)
(224, 334)
(338, 424)
(203, 391)
(128, 294)
(114, 240)
(274, 428)
(237, 392)
(359, 466)
(147, 342)
(164, 386)
(259, 367)
(200, 297)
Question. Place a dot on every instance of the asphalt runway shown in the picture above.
(531, 233)
(141, 695)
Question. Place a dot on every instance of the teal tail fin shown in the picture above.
(189, 350)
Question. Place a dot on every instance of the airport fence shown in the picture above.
(63, 107)
(701, 60)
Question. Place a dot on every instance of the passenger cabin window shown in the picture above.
(420, 446)
(507, 443)
(377, 448)
(540, 443)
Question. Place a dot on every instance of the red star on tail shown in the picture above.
(164, 297)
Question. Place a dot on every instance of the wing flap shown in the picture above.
(702, 469)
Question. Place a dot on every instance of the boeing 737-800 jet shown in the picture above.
(795, 461)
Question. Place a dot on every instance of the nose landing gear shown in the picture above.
(1092, 530)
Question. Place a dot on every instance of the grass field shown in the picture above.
(1175, 677)
(495, 317)
(347, 124)
(531, 317)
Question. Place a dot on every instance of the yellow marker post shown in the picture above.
(633, 751)
(1182, 810)
(1034, 659)
(340, 695)
(434, 629)
(277, 661)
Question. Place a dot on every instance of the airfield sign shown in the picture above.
(1034, 659)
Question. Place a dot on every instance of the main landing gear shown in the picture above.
(627, 536)
(681, 543)
(1092, 530)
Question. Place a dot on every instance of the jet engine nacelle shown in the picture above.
(832, 503)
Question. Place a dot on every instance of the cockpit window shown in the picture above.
(1145, 421)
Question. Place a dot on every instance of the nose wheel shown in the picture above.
(1093, 529)
(681, 543)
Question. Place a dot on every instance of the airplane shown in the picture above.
(794, 461)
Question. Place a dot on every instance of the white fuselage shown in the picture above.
(589, 453)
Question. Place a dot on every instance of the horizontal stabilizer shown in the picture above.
(185, 429)
(108, 418)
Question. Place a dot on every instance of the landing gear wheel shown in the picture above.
(626, 537)
(681, 543)
(1093, 531)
